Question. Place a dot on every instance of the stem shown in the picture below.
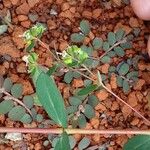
(118, 43)
(47, 47)
(111, 48)
(125, 103)
(84, 66)
(16, 100)
(73, 131)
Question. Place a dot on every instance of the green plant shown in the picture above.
(80, 61)
(9, 94)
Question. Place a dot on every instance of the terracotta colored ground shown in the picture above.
(60, 27)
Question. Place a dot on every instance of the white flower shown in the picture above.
(25, 59)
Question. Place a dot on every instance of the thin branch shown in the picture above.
(111, 48)
(47, 47)
(84, 66)
(118, 43)
(73, 131)
(9, 96)
(125, 103)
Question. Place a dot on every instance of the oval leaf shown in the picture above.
(63, 143)
(111, 38)
(7, 84)
(26, 119)
(120, 34)
(51, 99)
(17, 113)
(82, 121)
(119, 51)
(97, 43)
(139, 142)
(124, 68)
(77, 38)
(74, 101)
(106, 46)
(126, 87)
(84, 143)
(85, 27)
(106, 59)
(68, 77)
(89, 111)
(6, 106)
(17, 90)
(93, 100)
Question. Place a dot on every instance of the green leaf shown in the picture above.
(126, 87)
(106, 59)
(28, 101)
(132, 74)
(7, 85)
(34, 113)
(111, 38)
(72, 141)
(112, 69)
(54, 141)
(63, 142)
(1, 81)
(88, 50)
(93, 101)
(17, 90)
(85, 27)
(130, 37)
(51, 99)
(84, 143)
(124, 69)
(76, 75)
(111, 54)
(82, 121)
(35, 75)
(87, 82)
(119, 81)
(3, 29)
(26, 119)
(6, 106)
(52, 70)
(97, 43)
(31, 46)
(87, 90)
(127, 45)
(106, 46)
(139, 142)
(71, 109)
(89, 111)
(120, 34)
(119, 51)
(77, 38)
(16, 113)
(68, 77)
(74, 101)
(39, 118)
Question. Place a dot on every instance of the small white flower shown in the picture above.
(64, 54)
(25, 59)
(53, 12)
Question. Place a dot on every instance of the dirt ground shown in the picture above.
(62, 18)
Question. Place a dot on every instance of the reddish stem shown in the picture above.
(72, 131)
